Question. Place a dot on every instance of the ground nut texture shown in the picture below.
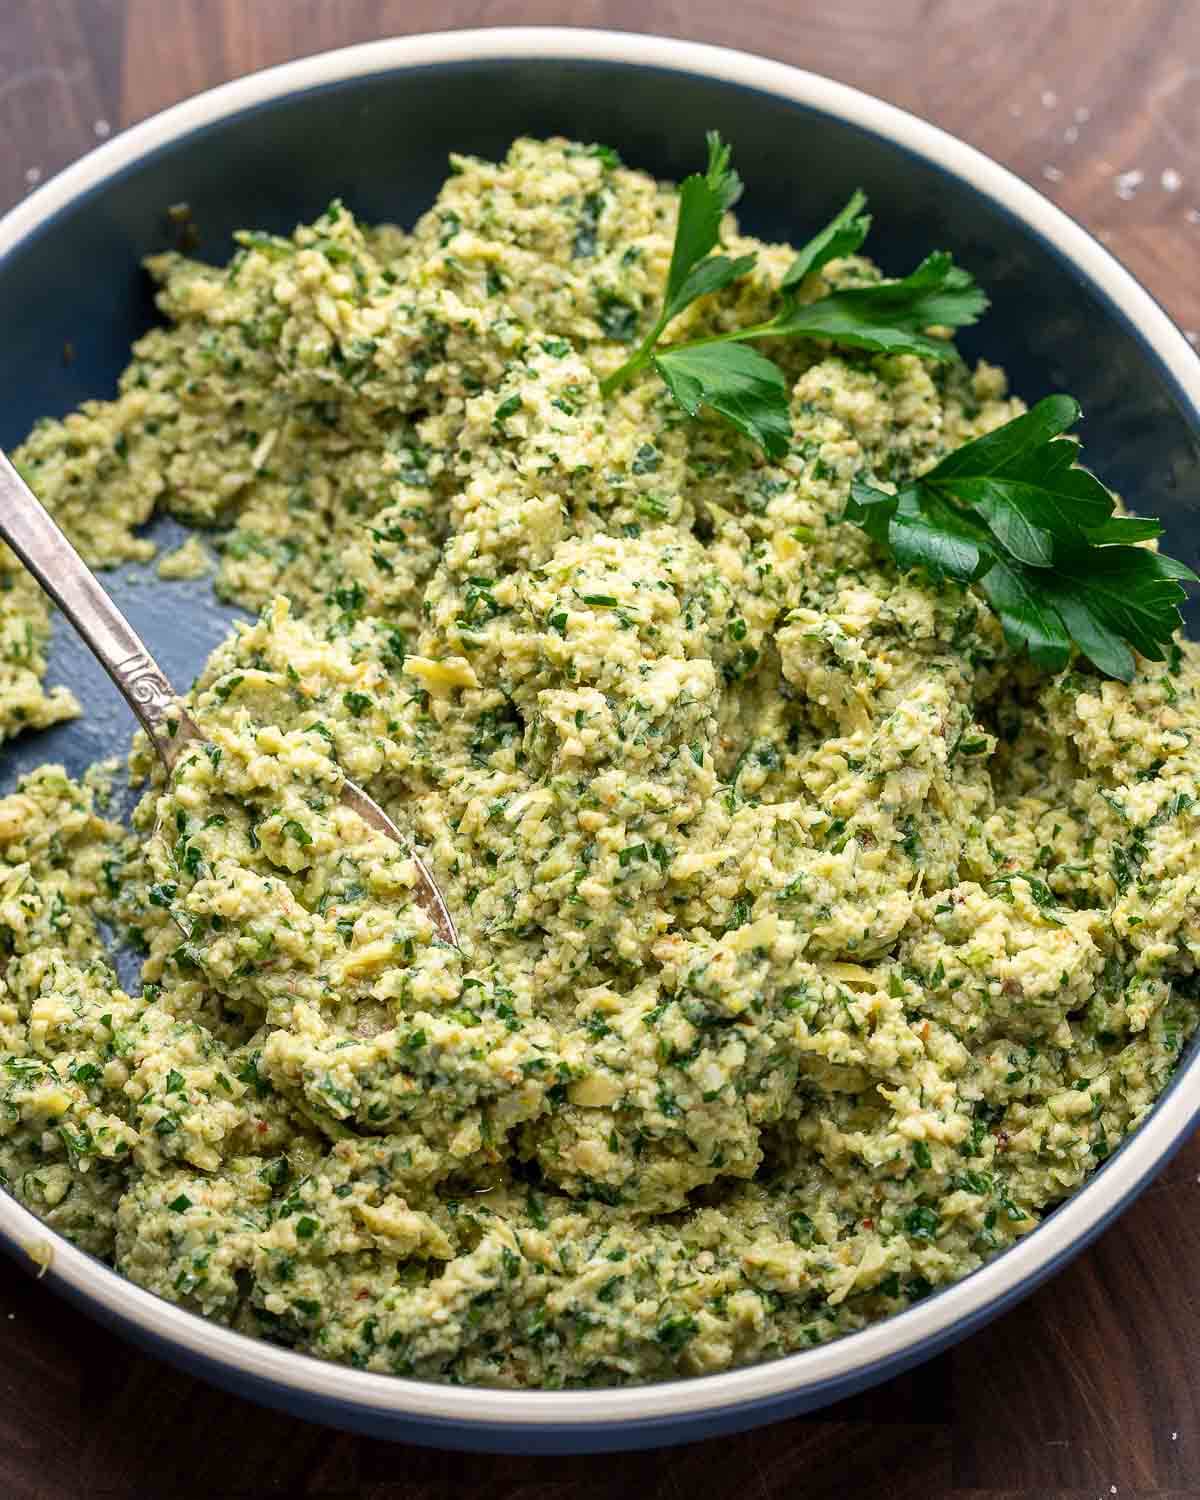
(813, 947)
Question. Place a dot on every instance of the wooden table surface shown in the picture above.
(1091, 1387)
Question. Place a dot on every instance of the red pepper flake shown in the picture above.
(868, 1223)
(262, 1127)
(359, 1296)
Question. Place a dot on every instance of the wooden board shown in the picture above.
(1091, 1388)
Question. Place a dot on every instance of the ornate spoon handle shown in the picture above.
(36, 539)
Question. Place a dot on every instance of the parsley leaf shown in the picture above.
(1026, 485)
(1013, 512)
(704, 199)
(843, 235)
(738, 384)
(1029, 617)
(709, 276)
(891, 316)
(703, 203)
(1114, 597)
(922, 531)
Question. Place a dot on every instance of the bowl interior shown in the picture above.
(381, 141)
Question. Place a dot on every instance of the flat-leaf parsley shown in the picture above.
(1015, 514)
(1011, 512)
(739, 384)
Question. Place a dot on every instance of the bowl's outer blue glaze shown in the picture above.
(380, 142)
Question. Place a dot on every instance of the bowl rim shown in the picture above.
(880, 1348)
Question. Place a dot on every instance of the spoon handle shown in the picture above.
(40, 544)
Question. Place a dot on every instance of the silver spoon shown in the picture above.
(35, 537)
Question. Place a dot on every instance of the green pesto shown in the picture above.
(813, 946)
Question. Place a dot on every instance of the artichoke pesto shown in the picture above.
(813, 945)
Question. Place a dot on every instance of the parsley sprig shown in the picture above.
(1013, 513)
(739, 384)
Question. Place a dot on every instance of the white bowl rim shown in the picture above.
(905, 1337)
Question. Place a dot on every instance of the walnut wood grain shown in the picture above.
(1092, 1383)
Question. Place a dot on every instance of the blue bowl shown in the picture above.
(374, 125)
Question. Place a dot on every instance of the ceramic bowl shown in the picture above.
(373, 125)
